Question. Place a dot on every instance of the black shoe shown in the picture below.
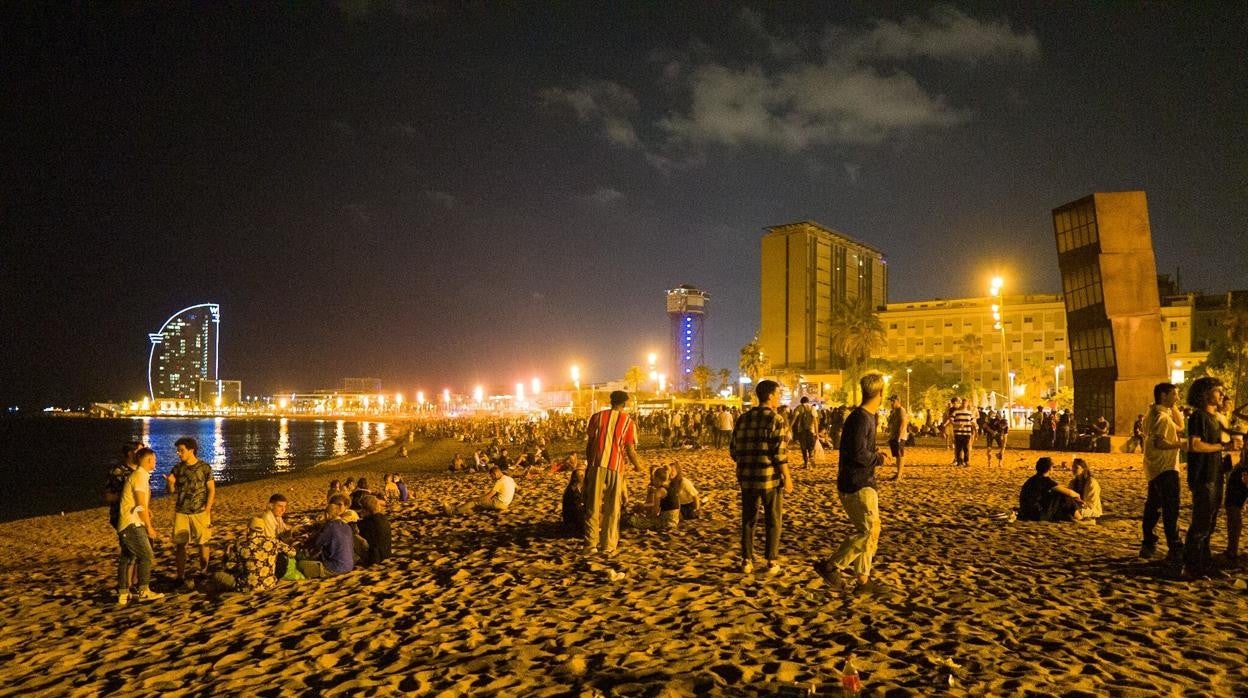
(1147, 552)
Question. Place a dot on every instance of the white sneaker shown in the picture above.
(773, 568)
(123, 598)
(149, 595)
(747, 567)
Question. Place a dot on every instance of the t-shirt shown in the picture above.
(611, 432)
(115, 483)
(1160, 422)
(128, 509)
(336, 544)
(1203, 468)
(963, 422)
(504, 490)
(1035, 500)
(803, 419)
(1091, 496)
(273, 526)
(191, 481)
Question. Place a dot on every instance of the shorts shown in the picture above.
(195, 529)
(1236, 490)
(898, 447)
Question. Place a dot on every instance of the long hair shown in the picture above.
(1082, 476)
(1201, 392)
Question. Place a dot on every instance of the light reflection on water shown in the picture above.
(340, 439)
(281, 457)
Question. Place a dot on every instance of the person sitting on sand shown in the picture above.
(404, 495)
(333, 551)
(682, 497)
(1042, 499)
(255, 557)
(392, 488)
(571, 464)
(650, 514)
(458, 464)
(357, 494)
(375, 529)
(274, 522)
(1089, 489)
(1236, 497)
(498, 498)
(335, 487)
(574, 504)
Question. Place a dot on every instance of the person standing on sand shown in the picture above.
(962, 419)
(612, 437)
(758, 448)
(135, 530)
(1205, 477)
(805, 425)
(855, 481)
(1161, 467)
(898, 430)
(191, 481)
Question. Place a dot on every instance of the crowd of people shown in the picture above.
(354, 528)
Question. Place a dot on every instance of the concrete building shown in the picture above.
(184, 352)
(807, 270)
(1113, 309)
(934, 332)
(686, 310)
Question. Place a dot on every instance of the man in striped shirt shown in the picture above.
(963, 422)
(757, 446)
(612, 438)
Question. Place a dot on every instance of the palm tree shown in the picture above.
(972, 347)
(633, 377)
(856, 333)
(725, 378)
(701, 378)
(1236, 324)
(753, 363)
(789, 378)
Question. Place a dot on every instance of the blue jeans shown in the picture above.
(135, 547)
(773, 504)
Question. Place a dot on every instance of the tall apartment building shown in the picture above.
(184, 352)
(807, 270)
(686, 310)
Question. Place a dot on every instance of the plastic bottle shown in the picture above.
(851, 683)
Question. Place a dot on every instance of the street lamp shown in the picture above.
(998, 317)
(536, 384)
(908, 372)
(1009, 401)
(1057, 377)
(576, 382)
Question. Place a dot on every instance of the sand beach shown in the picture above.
(505, 605)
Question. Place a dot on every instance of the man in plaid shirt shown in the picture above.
(757, 446)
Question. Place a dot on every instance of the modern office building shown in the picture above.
(1113, 310)
(220, 393)
(361, 385)
(686, 310)
(807, 270)
(184, 352)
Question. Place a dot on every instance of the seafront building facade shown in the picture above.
(184, 351)
(686, 312)
(807, 270)
(935, 332)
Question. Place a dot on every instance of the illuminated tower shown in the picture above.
(686, 306)
(184, 352)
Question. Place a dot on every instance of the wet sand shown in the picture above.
(504, 604)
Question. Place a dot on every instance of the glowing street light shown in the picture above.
(281, 403)
(576, 376)
(519, 392)
(998, 316)
(420, 398)
(662, 382)
(478, 394)
(1057, 377)
(908, 372)
(536, 385)
(398, 399)
(446, 396)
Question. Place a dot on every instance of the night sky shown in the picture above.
(440, 195)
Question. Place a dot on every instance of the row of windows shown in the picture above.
(1082, 287)
(1092, 348)
(1073, 239)
(1074, 217)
